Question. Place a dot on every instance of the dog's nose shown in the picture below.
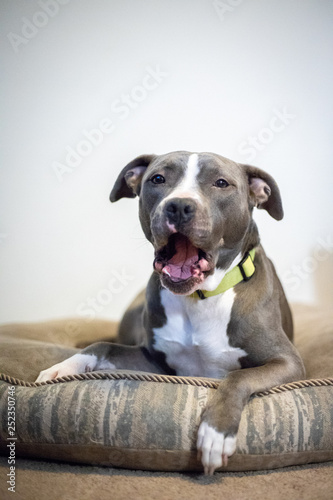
(180, 210)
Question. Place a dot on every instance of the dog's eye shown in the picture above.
(221, 183)
(157, 179)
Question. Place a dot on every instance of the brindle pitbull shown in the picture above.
(213, 306)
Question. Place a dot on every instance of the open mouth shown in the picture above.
(180, 262)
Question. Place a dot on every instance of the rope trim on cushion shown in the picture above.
(169, 379)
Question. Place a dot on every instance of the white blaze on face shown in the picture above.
(188, 187)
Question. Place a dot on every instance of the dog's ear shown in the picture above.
(264, 192)
(128, 183)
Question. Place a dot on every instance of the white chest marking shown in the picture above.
(194, 339)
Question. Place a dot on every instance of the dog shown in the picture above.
(214, 306)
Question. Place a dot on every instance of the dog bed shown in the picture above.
(146, 421)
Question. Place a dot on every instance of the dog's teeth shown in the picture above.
(166, 272)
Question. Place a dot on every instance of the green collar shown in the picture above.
(242, 272)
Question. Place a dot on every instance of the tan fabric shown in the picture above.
(151, 425)
(72, 332)
(314, 339)
(45, 480)
(28, 348)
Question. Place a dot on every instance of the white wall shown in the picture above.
(223, 77)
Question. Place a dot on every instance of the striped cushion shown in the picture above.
(152, 424)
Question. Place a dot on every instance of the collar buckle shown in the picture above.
(245, 266)
(201, 295)
(241, 272)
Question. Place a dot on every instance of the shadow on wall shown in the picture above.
(315, 270)
(323, 281)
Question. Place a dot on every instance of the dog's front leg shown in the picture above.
(102, 356)
(220, 420)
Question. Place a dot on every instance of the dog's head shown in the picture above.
(196, 210)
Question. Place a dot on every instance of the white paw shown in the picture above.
(79, 363)
(214, 448)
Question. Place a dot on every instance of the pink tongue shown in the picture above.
(179, 267)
